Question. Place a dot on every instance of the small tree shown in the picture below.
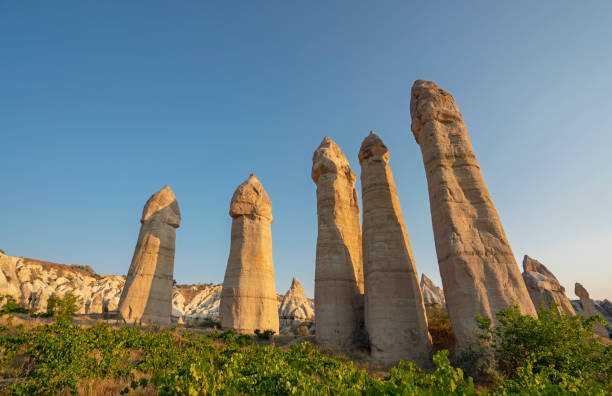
(62, 308)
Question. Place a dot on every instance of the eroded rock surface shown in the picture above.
(589, 309)
(394, 311)
(147, 295)
(295, 309)
(248, 296)
(32, 282)
(479, 273)
(544, 288)
(339, 267)
(433, 296)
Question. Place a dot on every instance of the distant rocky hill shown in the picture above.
(32, 282)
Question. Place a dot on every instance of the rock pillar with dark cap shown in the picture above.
(479, 273)
(248, 297)
(394, 311)
(339, 268)
(147, 294)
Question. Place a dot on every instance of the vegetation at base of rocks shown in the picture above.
(438, 323)
(11, 306)
(551, 355)
(264, 335)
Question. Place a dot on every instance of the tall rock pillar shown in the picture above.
(478, 269)
(394, 310)
(339, 268)
(248, 297)
(147, 293)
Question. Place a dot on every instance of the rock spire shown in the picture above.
(589, 309)
(147, 294)
(478, 269)
(339, 268)
(248, 297)
(394, 310)
(544, 288)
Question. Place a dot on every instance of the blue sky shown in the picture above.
(103, 103)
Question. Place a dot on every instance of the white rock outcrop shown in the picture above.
(433, 296)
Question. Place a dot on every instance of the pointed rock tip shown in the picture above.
(163, 201)
(429, 102)
(329, 158)
(580, 291)
(250, 198)
(372, 146)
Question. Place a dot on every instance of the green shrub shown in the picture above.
(552, 352)
(63, 308)
(264, 335)
(11, 306)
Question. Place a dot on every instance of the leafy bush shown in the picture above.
(63, 308)
(440, 329)
(551, 353)
(264, 335)
(11, 306)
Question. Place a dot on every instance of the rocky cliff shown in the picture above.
(32, 282)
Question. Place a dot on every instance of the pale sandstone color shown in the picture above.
(478, 269)
(544, 288)
(248, 296)
(147, 294)
(589, 309)
(394, 311)
(339, 268)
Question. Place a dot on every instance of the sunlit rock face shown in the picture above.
(394, 311)
(478, 269)
(248, 297)
(589, 309)
(339, 267)
(544, 288)
(147, 295)
(433, 296)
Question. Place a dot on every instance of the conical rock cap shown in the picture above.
(162, 205)
(250, 198)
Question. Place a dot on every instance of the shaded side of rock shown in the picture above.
(544, 288)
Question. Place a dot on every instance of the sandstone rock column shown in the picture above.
(589, 309)
(339, 268)
(248, 297)
(544, 288)
(394, 310)
(478, 269)
(147, 294)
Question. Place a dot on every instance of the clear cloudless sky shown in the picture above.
(102, 103)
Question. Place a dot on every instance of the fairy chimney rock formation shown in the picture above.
(394, 311)
(479, 273)
(295, 305)
(589, 309)
(544, 288)
(339, 268)
(248, 297)
(147, 294)
(433, 296)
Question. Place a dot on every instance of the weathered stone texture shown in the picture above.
(433, 296)
(339, 268)
(147, 294)
(478, 269)
(248, 296)
(394, 311)
(589, 309)
(544, 288)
